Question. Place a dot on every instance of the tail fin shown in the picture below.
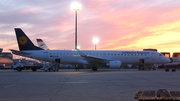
(41, 44)
(24, 42)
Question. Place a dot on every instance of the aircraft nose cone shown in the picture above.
(168, 60)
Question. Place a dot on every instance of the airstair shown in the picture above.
(51, 67)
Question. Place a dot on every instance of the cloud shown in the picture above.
(122, 24)
(31, 10)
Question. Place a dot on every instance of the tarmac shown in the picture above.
(83, 85)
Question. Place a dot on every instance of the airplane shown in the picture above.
(107, 58)
(41, 44)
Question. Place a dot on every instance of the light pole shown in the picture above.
(78, 47)
(95, 41)
(76, 6)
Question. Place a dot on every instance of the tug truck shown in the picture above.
(160, 95)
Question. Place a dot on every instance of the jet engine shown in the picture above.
(82, 62)
(114, 64)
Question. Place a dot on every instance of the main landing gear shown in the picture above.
(94, 68)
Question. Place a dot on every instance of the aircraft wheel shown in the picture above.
(94, 68)
(33, 69)
(167, 70)
(173, 70)
(19, 69)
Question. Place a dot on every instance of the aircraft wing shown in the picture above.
(93, 59)
(19, 52)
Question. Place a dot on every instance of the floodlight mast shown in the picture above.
(95, 41)
(76, 6)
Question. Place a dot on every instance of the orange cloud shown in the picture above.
(119, 24)
(30, 10)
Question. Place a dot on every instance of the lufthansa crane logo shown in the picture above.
(22, 40)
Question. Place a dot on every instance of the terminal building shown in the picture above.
(6, 59)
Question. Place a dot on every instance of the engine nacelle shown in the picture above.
(114, 64)
(82, 62)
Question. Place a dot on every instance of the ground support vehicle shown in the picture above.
(160, 95)
(25, 64)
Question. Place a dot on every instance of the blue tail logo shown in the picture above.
(22, 40)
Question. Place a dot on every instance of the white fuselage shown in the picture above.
(72, 56)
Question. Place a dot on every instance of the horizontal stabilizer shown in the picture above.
(19, 52)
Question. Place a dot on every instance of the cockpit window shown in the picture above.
(160, 54)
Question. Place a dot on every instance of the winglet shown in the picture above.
(80, 53)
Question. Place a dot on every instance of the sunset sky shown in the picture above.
(119, 24)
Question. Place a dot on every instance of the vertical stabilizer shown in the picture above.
(41, 44)
(24, 42)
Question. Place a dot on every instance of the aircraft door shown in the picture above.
(152, 56)
(57, 60)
